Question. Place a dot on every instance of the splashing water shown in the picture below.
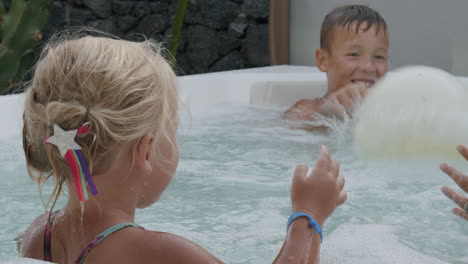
(231, 195)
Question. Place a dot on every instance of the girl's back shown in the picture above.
(128, 245)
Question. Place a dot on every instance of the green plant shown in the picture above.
(177, 27)
(20, 31)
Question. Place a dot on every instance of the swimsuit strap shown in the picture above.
(48, 238)
(106, 233)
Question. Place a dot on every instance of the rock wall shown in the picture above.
(217, 35)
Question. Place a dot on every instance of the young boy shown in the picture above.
(353, 53)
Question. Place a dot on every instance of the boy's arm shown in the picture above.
(306, 110)
(302, 110)
(336, 104)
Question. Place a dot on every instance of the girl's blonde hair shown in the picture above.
(123, 89)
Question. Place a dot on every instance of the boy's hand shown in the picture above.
(347, 97)
(301, 111)
(335, 104)
(320, 192)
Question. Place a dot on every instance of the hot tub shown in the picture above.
(231, 190)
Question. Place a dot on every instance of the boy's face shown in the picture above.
(354, 58)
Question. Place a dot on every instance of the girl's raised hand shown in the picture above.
(462, 180)
(321, 191)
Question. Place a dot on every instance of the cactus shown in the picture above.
(20, 31)
(177, 27)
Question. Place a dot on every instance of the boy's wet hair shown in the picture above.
(345, 16)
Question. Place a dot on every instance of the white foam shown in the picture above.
(372, 243)
(415, 111)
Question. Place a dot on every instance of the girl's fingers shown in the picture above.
(335, 168)
(340, 182)
(300, 173)
(324, 158)
(342, 197)
(457, 176)
(322, 165)
(454, 196)
(463, 151)
(309, 172)
(460, 213)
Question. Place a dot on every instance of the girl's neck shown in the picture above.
(118, 189)
(92, 212)
(115, 202)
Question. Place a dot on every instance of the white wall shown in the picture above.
(427, 32)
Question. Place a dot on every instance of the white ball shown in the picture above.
(412, 112)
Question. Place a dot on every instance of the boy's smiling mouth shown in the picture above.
(367, 82)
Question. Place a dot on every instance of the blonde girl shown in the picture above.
(100, 120)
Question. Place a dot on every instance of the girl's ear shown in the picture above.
(144, 153)
(321, 60)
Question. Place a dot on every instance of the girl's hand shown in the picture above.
(320, 192)
(462, 181)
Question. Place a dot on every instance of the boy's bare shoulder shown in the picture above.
(144, 246)
(31, 242)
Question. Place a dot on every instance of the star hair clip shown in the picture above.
(65, 142)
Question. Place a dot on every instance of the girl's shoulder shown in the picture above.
(31, 242)
(143, 246)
